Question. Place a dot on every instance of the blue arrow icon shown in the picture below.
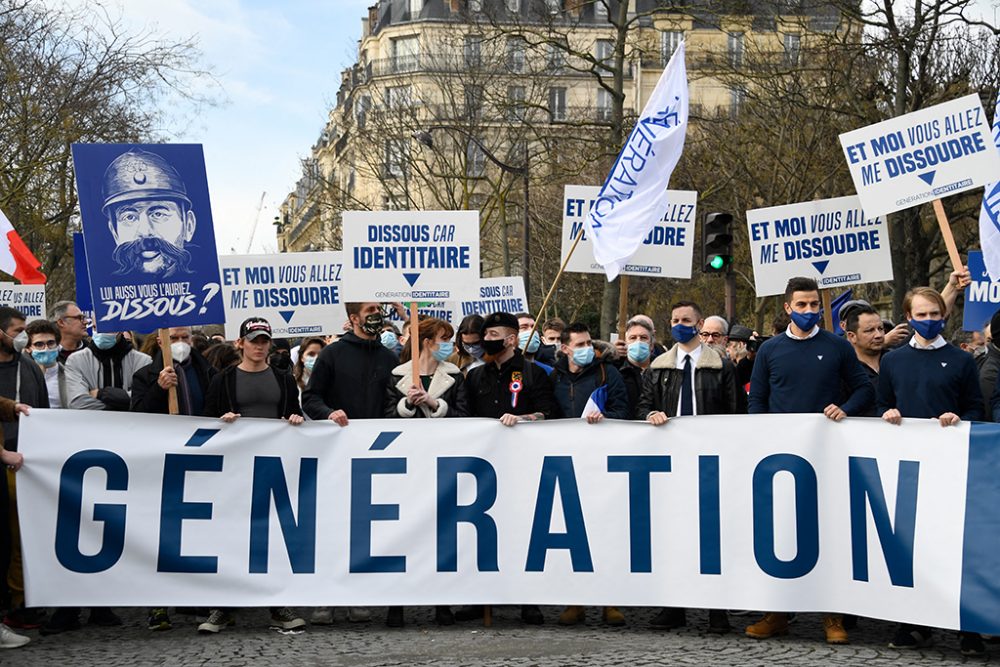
(286, 315)
(927, 177)
(821, 266)
(200, 437)
(411, 278)
(384, 439)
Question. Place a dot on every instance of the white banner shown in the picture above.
(665, 252)
(858, 517)
(410, 255)
(298, 293)
(29, 299)
(924, 155)
(495, 294)
(831, 240)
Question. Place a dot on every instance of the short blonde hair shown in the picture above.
(928, 293)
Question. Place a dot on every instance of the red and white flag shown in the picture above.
(15, 258)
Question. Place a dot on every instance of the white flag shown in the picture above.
(634, 196)
(989, 214)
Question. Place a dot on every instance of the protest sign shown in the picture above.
(83, 298)
(410, 255)
(441, 310)
(664, 253)
(982, 296)
(495, 295)
(298, 293)
(29, 299)
(831, 240)
(147, 228)
(921, 156)
(407, 512)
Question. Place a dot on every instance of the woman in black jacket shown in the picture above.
(436, 396)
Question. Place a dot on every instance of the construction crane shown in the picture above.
(256, 219)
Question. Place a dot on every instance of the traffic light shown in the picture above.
(717, 243)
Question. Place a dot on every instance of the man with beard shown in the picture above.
(149, 215)
(512, 389)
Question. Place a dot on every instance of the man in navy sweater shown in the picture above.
(929, 379)
(806, 369)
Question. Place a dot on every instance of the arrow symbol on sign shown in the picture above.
(411, 278)
(286, 315)
(821, 266)
(384, 439)
(927, 177)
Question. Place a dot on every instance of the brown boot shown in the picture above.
(772, 625)
(834, 627)
(613, 617)
(572, 615)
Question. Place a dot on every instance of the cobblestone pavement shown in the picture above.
(506, 643)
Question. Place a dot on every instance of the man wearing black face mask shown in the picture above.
(350, 375)
(281, 355)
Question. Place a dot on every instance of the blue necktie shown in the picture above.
(687, 393)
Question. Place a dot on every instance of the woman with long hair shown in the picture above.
(468, 344)
(309, 350)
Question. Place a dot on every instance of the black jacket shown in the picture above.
(446, 386)
(221, 395)
(988, 373)
(573, 390)
(34, 392)
(715, 388)
(487, 389)
(349, 375)
(632, 377)
(149, 396)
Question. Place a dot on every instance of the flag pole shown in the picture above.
(949, 238)
(555, 281)
(827, 309)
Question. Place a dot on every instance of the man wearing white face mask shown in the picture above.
(190, 373)
(99, 377)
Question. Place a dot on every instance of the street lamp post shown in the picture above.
(425, 138)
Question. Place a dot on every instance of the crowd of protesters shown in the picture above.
(507, 367)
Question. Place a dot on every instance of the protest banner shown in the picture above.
(928, 154)
(665, 252)
(495, 294)
(83, 298)
(831, 240)
(29, 299)
(456, 511)
(147, 228)
(298, 293)
(982, 296)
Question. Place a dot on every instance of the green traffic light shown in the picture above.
(717, 262)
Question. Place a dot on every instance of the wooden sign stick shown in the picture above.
(168, 362)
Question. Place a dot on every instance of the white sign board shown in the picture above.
(495, 295)
(666, 251)
(831, 240)
(411, 255)
(298, 293)
(924, 155)
(29, 299)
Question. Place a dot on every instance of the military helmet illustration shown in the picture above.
(139, 174)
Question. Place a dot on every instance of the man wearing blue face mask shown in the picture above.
(636, 359)
(806, 369)
(530, 343)
(929, 379)
(99, 377)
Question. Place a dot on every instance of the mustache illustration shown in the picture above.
(128, 256)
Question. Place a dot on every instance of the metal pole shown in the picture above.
(526, 231)
(730, 297)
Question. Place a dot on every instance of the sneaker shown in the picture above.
(531, 614)
(443, 616)
(394, 618)
(971, 643)
(103, 617)
(62, 620)
(908, 637)
(772, 625)
(833, 625)
(283, 618)
(358, 615)
(322, 616)
(669, 618)
(573, 615)
(158, 619)
(613, 617)
(217, 620)
(25, 619)
(718, 622)
(10, 639)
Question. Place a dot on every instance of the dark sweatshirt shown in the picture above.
(349, 375)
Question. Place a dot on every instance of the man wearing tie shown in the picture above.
(689, 379)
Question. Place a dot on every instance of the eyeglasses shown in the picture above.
(711, 335)
(43, 344)
(81, 317)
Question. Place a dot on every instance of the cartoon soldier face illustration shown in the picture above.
(149, 215)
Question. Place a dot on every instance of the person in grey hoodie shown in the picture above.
(99, 377)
